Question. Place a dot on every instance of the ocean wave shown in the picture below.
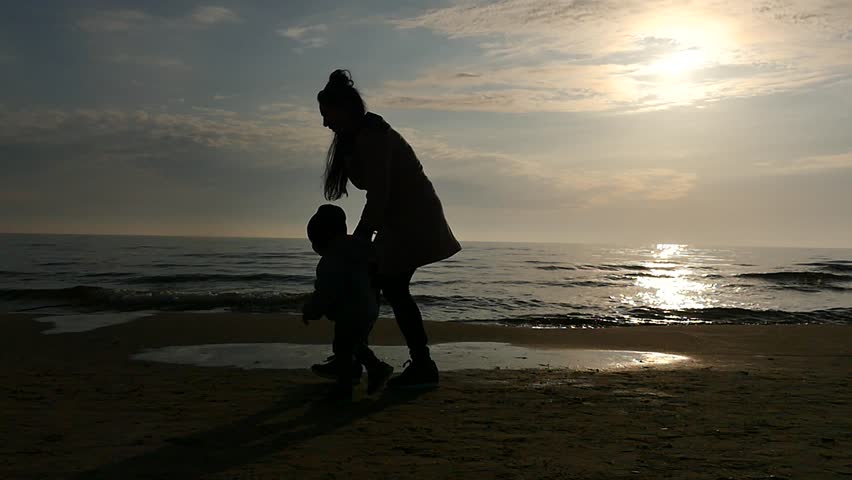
(218, 277)
(592, 283)
(108, 274)
(242, 256)
(573, 320)
(736, 315)
(657, 316)
(834, 265)
(13, 273)
(799, 277)
(122, 299)
(565, 283)
(635, 268)
(493, 304)
(631, 267)
(439, 283)
(556, 267)
(631, 277)
(494, 309)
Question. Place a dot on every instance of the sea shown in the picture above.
(535, 285)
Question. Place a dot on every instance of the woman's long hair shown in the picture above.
(340, 93)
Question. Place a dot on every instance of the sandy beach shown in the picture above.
(752, 402)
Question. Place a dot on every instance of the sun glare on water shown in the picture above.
(669, 283)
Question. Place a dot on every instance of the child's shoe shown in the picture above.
(329, 370)
(377, 377)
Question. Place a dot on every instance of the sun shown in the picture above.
(680, 63)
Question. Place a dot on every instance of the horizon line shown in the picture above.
(597, 243)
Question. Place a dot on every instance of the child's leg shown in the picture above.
(362, 351)
(378, 372)
(365, 356)
(343, 361)
(344, 352)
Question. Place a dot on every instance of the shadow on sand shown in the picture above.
(249, 439)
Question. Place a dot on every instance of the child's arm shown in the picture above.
(310, 310)
(325, 293)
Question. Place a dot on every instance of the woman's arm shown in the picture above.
(377, 179)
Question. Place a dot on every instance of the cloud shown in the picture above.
(129, 20)
(198, 171)
(282, 132)
(648, 184)
(210, 15)
(300, 33)
(572, 22)
(512, 17)
(7, 58)
(491, 179)
(135, 134)
(114, 21)
(150, 166)
(544, 87)
(277, 106)
(149, 61)
(541, 55)
(307, 36)
(812, 164)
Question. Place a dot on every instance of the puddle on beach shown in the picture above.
(449, 356)
(84, 322)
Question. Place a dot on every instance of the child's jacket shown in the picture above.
(343, 291)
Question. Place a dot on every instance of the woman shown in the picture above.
(402, 210)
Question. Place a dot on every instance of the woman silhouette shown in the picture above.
(402, 210)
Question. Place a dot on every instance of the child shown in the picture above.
(343, 293)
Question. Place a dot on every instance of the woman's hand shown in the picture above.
(363, 232)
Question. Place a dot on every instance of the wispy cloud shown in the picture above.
(115, 21)
(149, 61)
(493, 179)
(210, 15)
(197, 171)
(302, 32)
(145, 133)
(541, 55)
(129, 20)
(812, 164)
(307, 36)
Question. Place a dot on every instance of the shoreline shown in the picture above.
(159, 328)
(757, 401)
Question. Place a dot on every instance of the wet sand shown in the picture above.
(753, 402)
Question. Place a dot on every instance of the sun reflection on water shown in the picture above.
(668, 284)
(668, 250)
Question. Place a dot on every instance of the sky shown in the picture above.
(725, 122)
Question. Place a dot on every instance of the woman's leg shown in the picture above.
(395, 288)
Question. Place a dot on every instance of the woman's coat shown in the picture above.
(402, 206)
